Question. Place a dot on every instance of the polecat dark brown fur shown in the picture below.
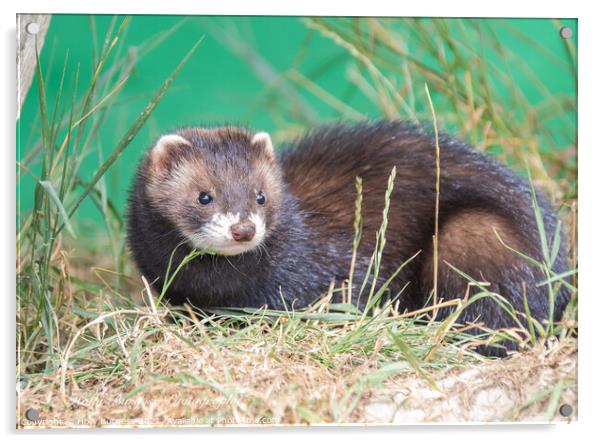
(282, 224)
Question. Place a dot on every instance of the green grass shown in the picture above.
(60, 191)
(85, 317)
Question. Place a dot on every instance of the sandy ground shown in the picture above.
(529, 388)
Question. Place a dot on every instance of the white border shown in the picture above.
(457, 8)
(590, 187)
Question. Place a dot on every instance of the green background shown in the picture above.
(219, 85)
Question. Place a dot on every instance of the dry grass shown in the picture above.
(158, 373)
(155, 366)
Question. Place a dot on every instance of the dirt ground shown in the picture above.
(526, 388)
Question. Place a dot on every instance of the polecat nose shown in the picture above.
(243, 231)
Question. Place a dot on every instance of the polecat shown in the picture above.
(281, 225)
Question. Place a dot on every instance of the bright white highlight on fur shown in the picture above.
(216, 235)
(264, 137)
(259, 227)
(219, 227)
(168, 140)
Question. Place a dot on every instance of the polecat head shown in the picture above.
(221, 188)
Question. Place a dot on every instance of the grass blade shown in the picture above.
(59, 205)
(412, 359)
(129, 136)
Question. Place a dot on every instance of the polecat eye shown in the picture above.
(205, 198)
(260, 198)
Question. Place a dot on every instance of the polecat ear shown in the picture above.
(166, 147)
(263, 139)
